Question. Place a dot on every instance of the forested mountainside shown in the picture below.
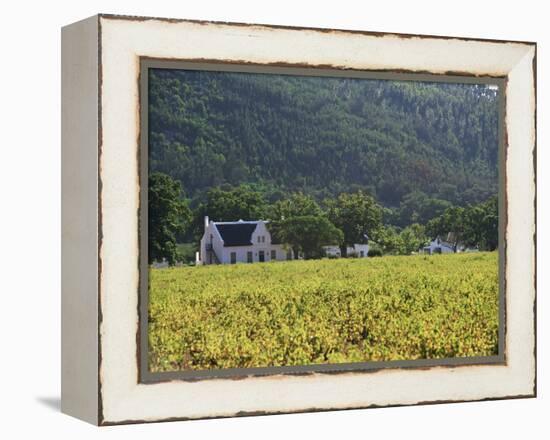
(400, 141)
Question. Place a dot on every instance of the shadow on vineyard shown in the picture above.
(323, 311)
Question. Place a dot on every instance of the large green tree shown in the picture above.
(307, 234)
(451, 221)
(355, 214)
(413, 237)
(418, 207)
(388, 240)
(169, 215)
(295, 205)
(481, 222)
(474, 225)
(229, 204)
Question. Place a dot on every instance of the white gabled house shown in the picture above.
(447, 246)
(438, 246)
(239, 242)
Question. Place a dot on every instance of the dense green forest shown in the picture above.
(402, 142)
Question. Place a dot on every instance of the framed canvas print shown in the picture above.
(265, 219)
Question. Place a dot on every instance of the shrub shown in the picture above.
(374, 253)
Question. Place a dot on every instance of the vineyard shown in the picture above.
(323, 311)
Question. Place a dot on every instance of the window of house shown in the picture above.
(249, 257)
(259, 239)
(273, 254)
(233, 257)
(263, 238)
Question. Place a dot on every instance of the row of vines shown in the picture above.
(323, 311)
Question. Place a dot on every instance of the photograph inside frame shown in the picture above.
(302, 220)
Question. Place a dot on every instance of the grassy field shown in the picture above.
(323, 311)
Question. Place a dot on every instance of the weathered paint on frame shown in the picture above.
(122, 399)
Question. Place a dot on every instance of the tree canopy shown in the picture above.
(355, 214)
(307, 234)
(325, 136)
(168, 215)
(474, 225)
(229, 204)
(294, 205)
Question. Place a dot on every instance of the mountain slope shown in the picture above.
(324, 136)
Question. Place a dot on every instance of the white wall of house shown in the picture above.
(261, 238)
(282, 252)
(446, 246)
(241, 253)
(211, 235)
(358, 250)
(438, 247)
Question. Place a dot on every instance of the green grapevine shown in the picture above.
(323, 311)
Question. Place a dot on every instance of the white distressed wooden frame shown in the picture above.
(100, 203)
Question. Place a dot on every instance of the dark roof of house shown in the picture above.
(236, 234)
